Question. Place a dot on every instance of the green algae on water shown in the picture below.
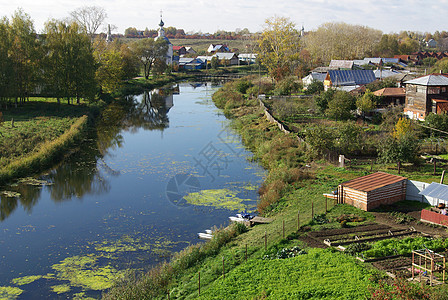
(218, 198)
(83, 271)
(25, 279)
(9, 292)
(61, 288)
(11, 194)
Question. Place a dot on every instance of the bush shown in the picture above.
(243, 85)
(288, 86)
(315, 87)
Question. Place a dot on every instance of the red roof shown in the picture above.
(177, 48)
(373, 181)
(391, 92)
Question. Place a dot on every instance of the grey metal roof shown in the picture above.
(351, 77)
(384, 73)
(430, 80)
(341, 64)
(436, 190)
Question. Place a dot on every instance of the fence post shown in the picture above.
(371, 165)
(435, 166)
(199, 283)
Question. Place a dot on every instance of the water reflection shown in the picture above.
(150, 110)
(84, 172)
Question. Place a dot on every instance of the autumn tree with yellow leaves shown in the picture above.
(279, 47)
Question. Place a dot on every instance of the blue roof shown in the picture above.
(351, 77)
(436, 190)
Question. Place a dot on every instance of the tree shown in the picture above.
(323, 99)
(320, 139)
(110, 71)
(130, 32)
(89, 18)
(24, 55)
(341, 41)
(349, 138)
(437, 121)
(340, 107)
(279, 47)
(69, 65)
(366, 102)
(408, 46)
(315, 87)
(401, 145)
(6, 70)
(441, 66)
(388, 46)
(214, 62)
(148, 51)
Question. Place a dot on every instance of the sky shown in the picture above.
(211, 16)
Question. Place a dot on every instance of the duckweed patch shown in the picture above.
(83, 271)
(218, 198)
(33, 181)
(25, 279)
(10, 194)
(9, 292)
(61, 288)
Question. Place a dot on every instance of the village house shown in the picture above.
(180, 50)
(217, 48)
(426, 94)
(186, 63)
(348, 79)
(391, 96)
(310, 78)
(341, 64)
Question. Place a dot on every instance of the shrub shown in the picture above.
(288, 86)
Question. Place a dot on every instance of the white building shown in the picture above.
(161, 35)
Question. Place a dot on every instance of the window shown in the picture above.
(421, 89)
(433, 90)
(443, 89)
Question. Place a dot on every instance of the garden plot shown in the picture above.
(368, 233)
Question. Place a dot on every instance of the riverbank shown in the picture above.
(290, 187)
(39, 133)
(252, 265)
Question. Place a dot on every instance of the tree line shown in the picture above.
(66, 62)
(285, 50)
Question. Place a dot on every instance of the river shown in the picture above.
(160, 168)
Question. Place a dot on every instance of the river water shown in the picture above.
(161, 167)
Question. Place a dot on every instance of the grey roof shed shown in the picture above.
(436, 190)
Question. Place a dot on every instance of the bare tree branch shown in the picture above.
(89, 18)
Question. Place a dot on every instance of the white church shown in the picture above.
(161, 35)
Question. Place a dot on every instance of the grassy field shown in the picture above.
(32, 134)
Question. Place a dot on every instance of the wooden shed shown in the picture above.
(371, 191)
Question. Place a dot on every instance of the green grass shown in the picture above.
(321, 274)
(38, 131)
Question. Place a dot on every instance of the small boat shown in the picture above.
(205, 236)
(208, 231)
(237, 218)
